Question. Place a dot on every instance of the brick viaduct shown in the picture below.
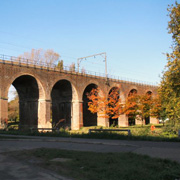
(45, 91)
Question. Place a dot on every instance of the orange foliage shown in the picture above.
(131, 105)
(110, 107)
(136, 106)
(157, 109)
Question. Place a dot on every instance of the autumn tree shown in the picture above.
(114, 106)
(131, 106)
(39, 56)
(158, 110)
(96, 102)
(110, 107)
(170, 84)
(138, 106)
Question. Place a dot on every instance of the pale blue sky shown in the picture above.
(133, 33)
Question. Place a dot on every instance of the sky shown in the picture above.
(133, 33)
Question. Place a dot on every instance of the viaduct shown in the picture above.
(47, 93)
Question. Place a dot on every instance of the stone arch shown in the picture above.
(131, 119)
(149, 92)
(89, 119)
(75, 91)
(84, 85)
(30, 90)
(132, 88)
(147, 119)
(63, 96)
(42, 103)
(42, 93)
(132, 91)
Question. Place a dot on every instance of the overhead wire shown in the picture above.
(89, 62)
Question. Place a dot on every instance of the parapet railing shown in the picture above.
(5, 59)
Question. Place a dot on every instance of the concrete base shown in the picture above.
(138, 121)
(103, 121)
(44, 114)
(77, 115)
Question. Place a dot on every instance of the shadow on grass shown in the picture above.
(95, 135)
(106, 166)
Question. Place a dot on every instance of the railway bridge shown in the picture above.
(48, 93)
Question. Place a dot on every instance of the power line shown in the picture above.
(19, 46)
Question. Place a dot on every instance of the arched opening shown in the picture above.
(131, 117)
(13, 108)
(147, 119)
(113, 96)
(89, 119)
(61, 96)
(28, 92)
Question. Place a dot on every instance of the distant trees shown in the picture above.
(13, 109)
(42, 56)
(72, 67)
(48, 57)
(60, 65)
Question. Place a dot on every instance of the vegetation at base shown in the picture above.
(98, 166)
(7, 137)
(161, 133)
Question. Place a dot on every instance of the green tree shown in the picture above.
(158, 110)
(60, 65)
(170, 84)
(13, 109)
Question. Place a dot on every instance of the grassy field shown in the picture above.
(103, 166)
(161, 133)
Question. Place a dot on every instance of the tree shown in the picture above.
(83, 70)
(13, 109)
(110, 107)
(158, 110)
(174, 23)
(131, 105)
(60, 65)
(138, 106)
(114, 105)
(39, 56)
(170, 84)
(72, 67)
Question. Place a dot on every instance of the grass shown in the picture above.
(5, 137)
(138, 133)
(106, 166)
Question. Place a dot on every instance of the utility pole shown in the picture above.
(94, 55)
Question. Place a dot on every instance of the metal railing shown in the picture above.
(67, 69)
